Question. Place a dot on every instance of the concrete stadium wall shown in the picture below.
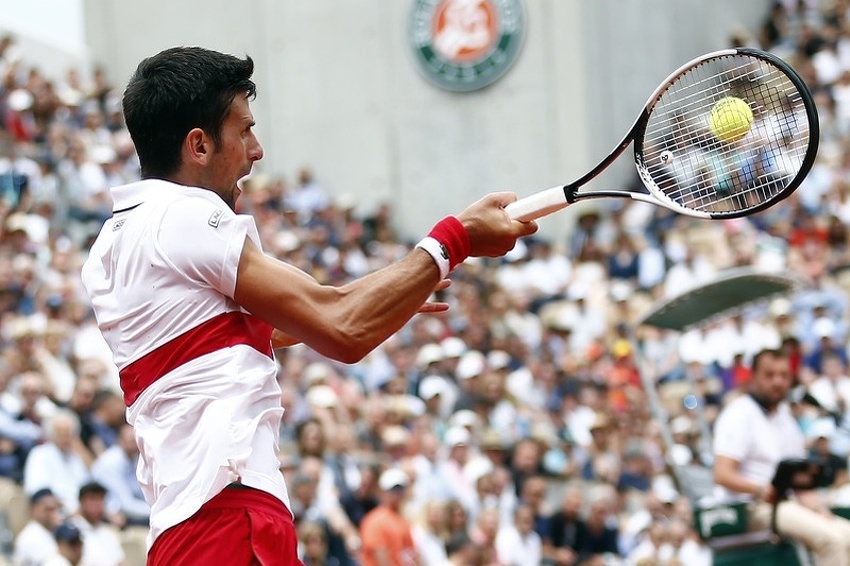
(339, 90)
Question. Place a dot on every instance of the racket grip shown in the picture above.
(538, 205)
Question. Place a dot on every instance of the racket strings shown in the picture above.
(692, 164)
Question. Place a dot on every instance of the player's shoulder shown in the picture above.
(191, 206)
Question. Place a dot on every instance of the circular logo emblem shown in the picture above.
(464, 45)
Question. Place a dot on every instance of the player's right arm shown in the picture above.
(347, 322)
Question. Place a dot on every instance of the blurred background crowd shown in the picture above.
(515, 427)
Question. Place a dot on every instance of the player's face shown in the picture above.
(772, 379)
(236, 152)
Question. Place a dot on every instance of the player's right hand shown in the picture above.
(491, 231)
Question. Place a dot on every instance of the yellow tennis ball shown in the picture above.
(730, 119)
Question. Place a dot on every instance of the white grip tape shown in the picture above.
(538, 205)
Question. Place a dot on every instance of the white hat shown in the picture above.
(19, 100)
(664, 488)
(563, 318)
(780, 307)
(429, 354)
(314, 373)
(463, 418)
(681, 425)
(477, 468)
(453, 347)
(103, 154)
(679, 455)
(456, 436)
(322, 396)
(498, 359)
(470, 365)
(577, 291)
(821, 428)
(16, 222)
(432, 386)
(395, 435)
(620, 290)
(392, 478)
(824, 327)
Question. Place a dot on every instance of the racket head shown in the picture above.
(682, 159)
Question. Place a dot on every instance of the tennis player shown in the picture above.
(191, 308)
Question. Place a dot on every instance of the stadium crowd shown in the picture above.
(513, 430)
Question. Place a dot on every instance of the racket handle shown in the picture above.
(537, 205)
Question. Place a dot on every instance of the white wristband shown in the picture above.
(437, 251)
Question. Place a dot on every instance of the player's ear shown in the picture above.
(197, 147)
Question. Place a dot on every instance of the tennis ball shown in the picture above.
(730, 119)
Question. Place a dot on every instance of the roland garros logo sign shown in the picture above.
(464, 45)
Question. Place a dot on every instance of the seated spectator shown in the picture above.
(597, 535)
(115, 469)
(648, 550)
(35, 543)
(430, 534)
(560, 544)
(31, 404)
(386, 534)
(461, 551)
(57, 464)
(107, 414)
(101, 545)
(69, 547)
(518, 544)
(359, 502)
(683, 547)
(16, 440)
(314, 545)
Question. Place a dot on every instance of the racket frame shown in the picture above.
(550, 200)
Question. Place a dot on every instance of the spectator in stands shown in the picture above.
(559, 545)
(517, 544)
(115, 469)
(69, 546)
(429, 534)
(107, 414)
(461, 551)
(101, 543)
(314, 545)
(57, 464)
(35, 543)
(17, 437)
(358, 503)
(386, 534)
(597, 535)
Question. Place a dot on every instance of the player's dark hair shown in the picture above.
(175, 91)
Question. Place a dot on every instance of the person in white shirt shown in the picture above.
(69, 547)
(115, 469)
(35, 543)
(191, 308)
(753, 433)
(518, 544)
(57, 464)
(428, 534)
(101, 543)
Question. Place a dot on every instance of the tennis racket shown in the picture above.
(702, 164)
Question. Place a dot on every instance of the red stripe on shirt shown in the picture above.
(221, 331)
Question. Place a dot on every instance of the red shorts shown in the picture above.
(239, 526)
